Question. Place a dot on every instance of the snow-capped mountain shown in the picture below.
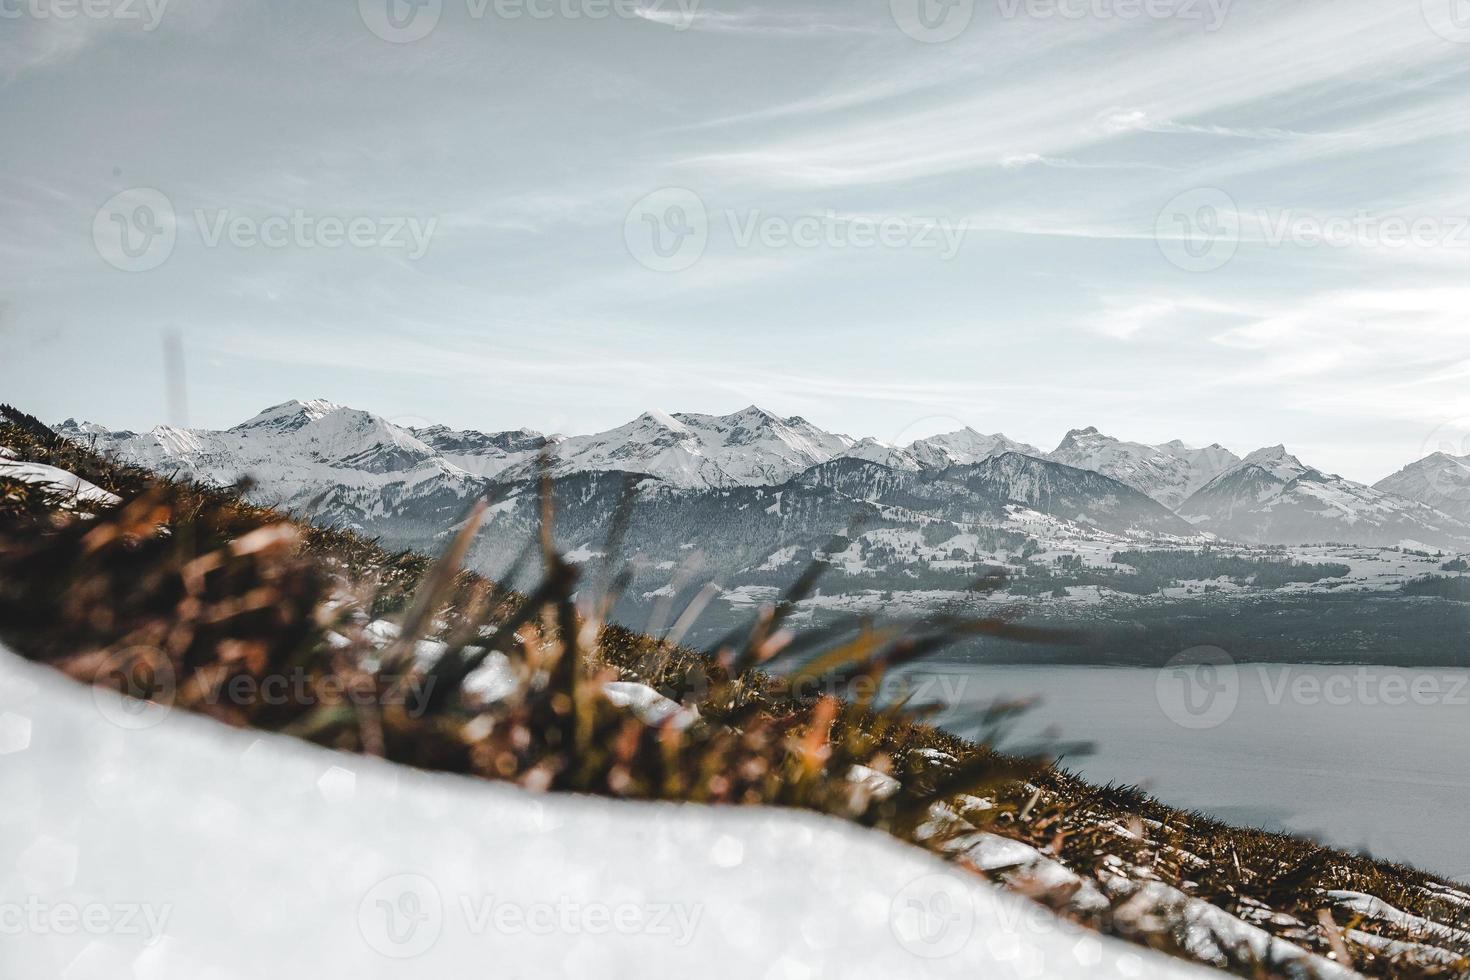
(1168, 473)
(873, 451)
(485, 454)
(348, 466)
(1440, 480)
(1271, 497)
(332, 463)
(965, 446)
(746, 448)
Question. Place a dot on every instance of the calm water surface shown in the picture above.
(1366, 758)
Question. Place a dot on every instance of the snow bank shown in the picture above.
(65, 483)
(145, 844)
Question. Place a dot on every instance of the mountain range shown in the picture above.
(334, 463)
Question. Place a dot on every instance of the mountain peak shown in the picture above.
(291, 414)
(663, 420)
(1277, 461)
(963, 447)
(755, 415)
(1271, 454)
(1075, 436)
(1168, 472)
(1441, 480)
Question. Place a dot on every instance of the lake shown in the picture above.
(1371, 759)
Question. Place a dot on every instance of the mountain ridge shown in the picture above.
(1271, 497)
(350, 465)
(1168, 472)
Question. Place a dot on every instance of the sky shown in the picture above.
(1234, 222)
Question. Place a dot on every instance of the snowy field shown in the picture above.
(150, 846)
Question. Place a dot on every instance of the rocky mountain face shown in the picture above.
(1271, 497)
(1440, 480)
(1168, 473)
